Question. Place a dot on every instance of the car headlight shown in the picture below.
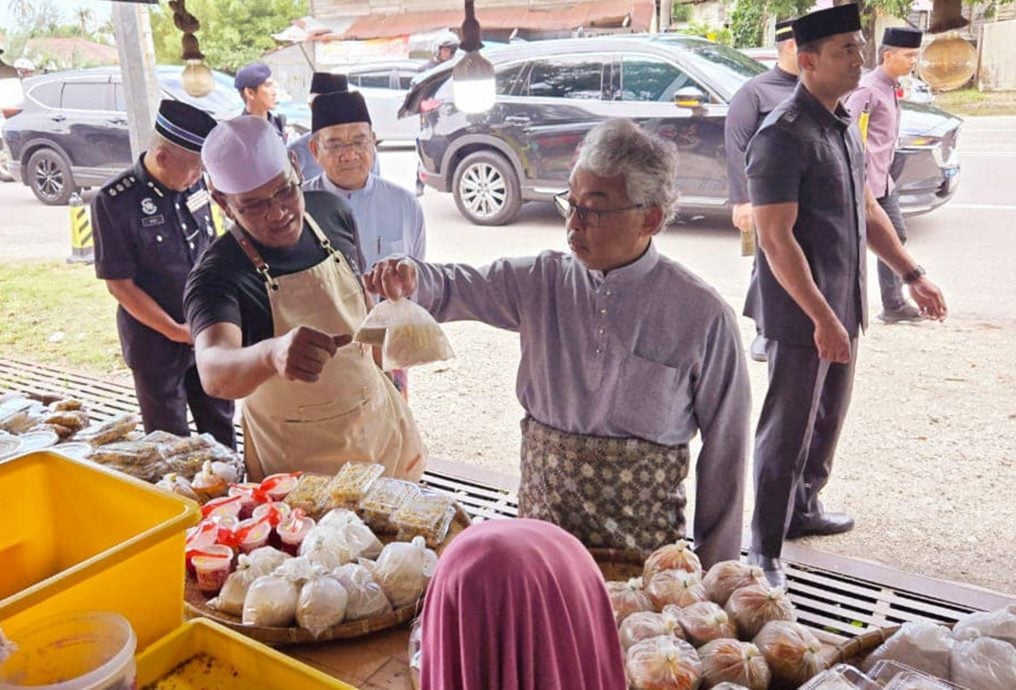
(919, 141)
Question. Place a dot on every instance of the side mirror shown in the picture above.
(689, 97)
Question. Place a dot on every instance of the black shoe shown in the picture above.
(907, 312)
(758, 349)
(820, 525)
(772, 568)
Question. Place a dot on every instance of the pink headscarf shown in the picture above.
(519, 605)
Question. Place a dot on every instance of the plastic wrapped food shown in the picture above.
(644, 625)
(339, 538)
(234, 592)
(263, 561)
(428, 515)
(366, 598)
(984, 664)
(663, 663)
(676, 556)
(920, 645)
(310, 495)
(141, 460)
(1000, 624)
(791, 651)
(732, 661)
(109, 431)
(176, 484)
(322, 604)
(627, 597)
(212, 482)
(705, 622)
(74, 420)
(270, 602)
(403, 570)
(726, 576)
(189, 464)
(66, 405)
(384, 499)
(352, 483)
(409, 336)
(753, 606)
(728, 686)
(677, 587)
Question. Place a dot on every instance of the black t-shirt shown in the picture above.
(225, 287)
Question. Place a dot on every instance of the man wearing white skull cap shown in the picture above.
(272, 306)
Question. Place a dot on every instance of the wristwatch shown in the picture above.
(914, 274)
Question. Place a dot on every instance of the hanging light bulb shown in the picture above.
(473, 77)
(197, 78)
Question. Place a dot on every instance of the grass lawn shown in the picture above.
(968, 102)
(58, 314)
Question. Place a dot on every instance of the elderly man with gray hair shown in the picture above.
(626, 355)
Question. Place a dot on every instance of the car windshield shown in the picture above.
(724, 68)
(222, 99)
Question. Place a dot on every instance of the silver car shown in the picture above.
(384, 86)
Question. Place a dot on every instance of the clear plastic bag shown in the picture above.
(794, 654)
(403, 570)
(409, 336)
(663, 663)
(920, 645)
(732, 661)
(677, 587)
(322, 604)
(999, 624)
(984, 664)
(644, 625)
(627, 597)
(705, 622)
(753, 606)
(343, 532)
(112, 430)
(676, 556)
(270, 602)
(726, 576)
(234, 591)
(366, 598)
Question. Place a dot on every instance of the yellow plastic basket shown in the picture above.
(259, 666)
(81, 537)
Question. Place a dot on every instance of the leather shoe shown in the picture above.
(772, 568)
(907, 312)
(820, 525)
(758, 349)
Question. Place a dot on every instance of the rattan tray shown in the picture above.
(196, 604)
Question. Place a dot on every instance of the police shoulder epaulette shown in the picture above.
(120, 184)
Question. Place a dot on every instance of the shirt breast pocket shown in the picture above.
(645, 399)
(160, 247)
(827, 183)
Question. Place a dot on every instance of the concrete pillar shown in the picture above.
(137, 65)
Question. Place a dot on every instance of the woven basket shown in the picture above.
(618, 564)
(856, 649)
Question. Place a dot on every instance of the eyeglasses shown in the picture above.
(357, 145)
(284, 197)
(589, 217)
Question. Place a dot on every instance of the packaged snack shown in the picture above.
(792, 652)
(383, 500)
(212, 482)
(1000, 624)
(403, 570)
(234, 591)
(411, 335)
(72, 420)
(140, 460)
(663, 663)
(310, 495)
(726, 576)
(753, 606)
(176, 484)
(643, 625)
(366, 598)
(678, 587)
(270, 602)
(920, 645)
(705, 622)
(109, 431)
(293, 530)
(212, 565)
(322, 604)
(676, 556)
(428, 515)
(352, 483)
(340, 537)
(984, 664)
(66, 405)
(732, 661)
(628, 597)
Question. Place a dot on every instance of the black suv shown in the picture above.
(71, 131)
(550, 93)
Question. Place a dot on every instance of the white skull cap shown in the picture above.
(243, 153)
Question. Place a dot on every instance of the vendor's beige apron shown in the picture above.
(352, 412)
(619, 493)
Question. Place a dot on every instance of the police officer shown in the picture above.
(749, 106)
(259, 94)
(814, 219)
(875, 106)
(152, 223)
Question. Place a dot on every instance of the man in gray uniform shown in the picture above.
(748, 108)
(814, 218)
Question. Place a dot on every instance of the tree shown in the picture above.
(85, 17)
(233, 32)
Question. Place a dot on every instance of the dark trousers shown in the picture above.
(798, 430)
(890, 284)
(165, 395)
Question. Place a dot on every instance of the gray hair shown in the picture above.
(647, 161)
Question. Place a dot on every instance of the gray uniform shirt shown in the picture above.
(807, 155)
(648, 351)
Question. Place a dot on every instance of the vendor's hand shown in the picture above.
(832, 341)
(740, 216)
(391, 278)
(181, 334)
(929, 299)
(301, 354)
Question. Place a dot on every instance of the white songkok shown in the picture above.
(243, 154)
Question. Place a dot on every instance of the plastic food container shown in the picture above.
(278, 486)
(256, 536)
(211, 567)
(259, 666)
(79, 651)
(292, 532)
(90, 539)
(247, 499)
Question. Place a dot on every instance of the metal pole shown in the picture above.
(137, 65)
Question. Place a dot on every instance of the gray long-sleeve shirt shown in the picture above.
(648, 350)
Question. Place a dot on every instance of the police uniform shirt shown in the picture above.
(276, 121)
(389, 219)
(748, 108)
(226, 288)
(152, 235)
(807, 155)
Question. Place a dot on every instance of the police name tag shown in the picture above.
(198, 200)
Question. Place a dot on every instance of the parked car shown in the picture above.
(70, 131)
(11, 96)
(550, 93)
(384, 86)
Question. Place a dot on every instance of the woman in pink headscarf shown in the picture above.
(519, 605)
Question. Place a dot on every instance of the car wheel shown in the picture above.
(49, 176)
(486, 189)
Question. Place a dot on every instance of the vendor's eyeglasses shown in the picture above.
(590, 217)
(284, 197)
